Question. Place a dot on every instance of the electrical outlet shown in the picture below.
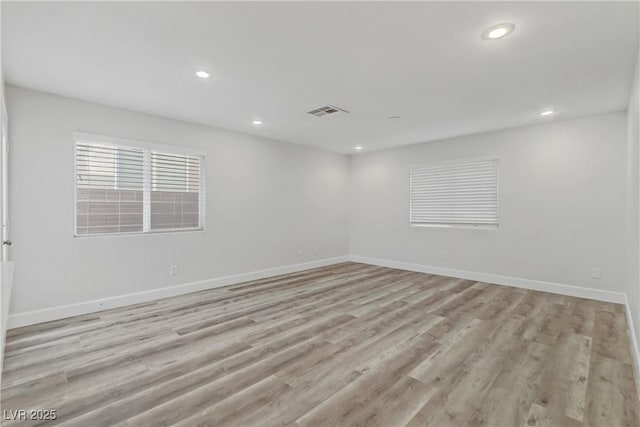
(173, 270)
(315, 250)
(300, 252)
(595, 272)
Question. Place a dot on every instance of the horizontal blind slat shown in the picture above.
(173, 173)
(100, 167)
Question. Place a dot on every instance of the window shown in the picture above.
(455, 193)
(128, 187)
(175, 191)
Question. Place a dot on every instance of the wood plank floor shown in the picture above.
(349, 344)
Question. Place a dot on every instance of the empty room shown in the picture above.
(320, 213)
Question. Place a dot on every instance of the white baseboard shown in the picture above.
(516, 282)
(54, 313)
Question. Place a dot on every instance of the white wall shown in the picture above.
(265, 200)
(633, 208)
(562, 206)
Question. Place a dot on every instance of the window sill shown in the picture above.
(141, 233)
(457, 226)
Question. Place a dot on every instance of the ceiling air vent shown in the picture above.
(327, 110)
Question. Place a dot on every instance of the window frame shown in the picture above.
(455, 162)
(147, 148)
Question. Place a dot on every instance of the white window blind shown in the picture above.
(455, 193)
(175, 190)
(123, 189)
(109, 189)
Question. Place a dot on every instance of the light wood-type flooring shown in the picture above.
(345, 345)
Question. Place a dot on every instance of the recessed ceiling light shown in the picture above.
(547, 113)
(256, 122)
(202, 74)
(498, 31)
(358, 147)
